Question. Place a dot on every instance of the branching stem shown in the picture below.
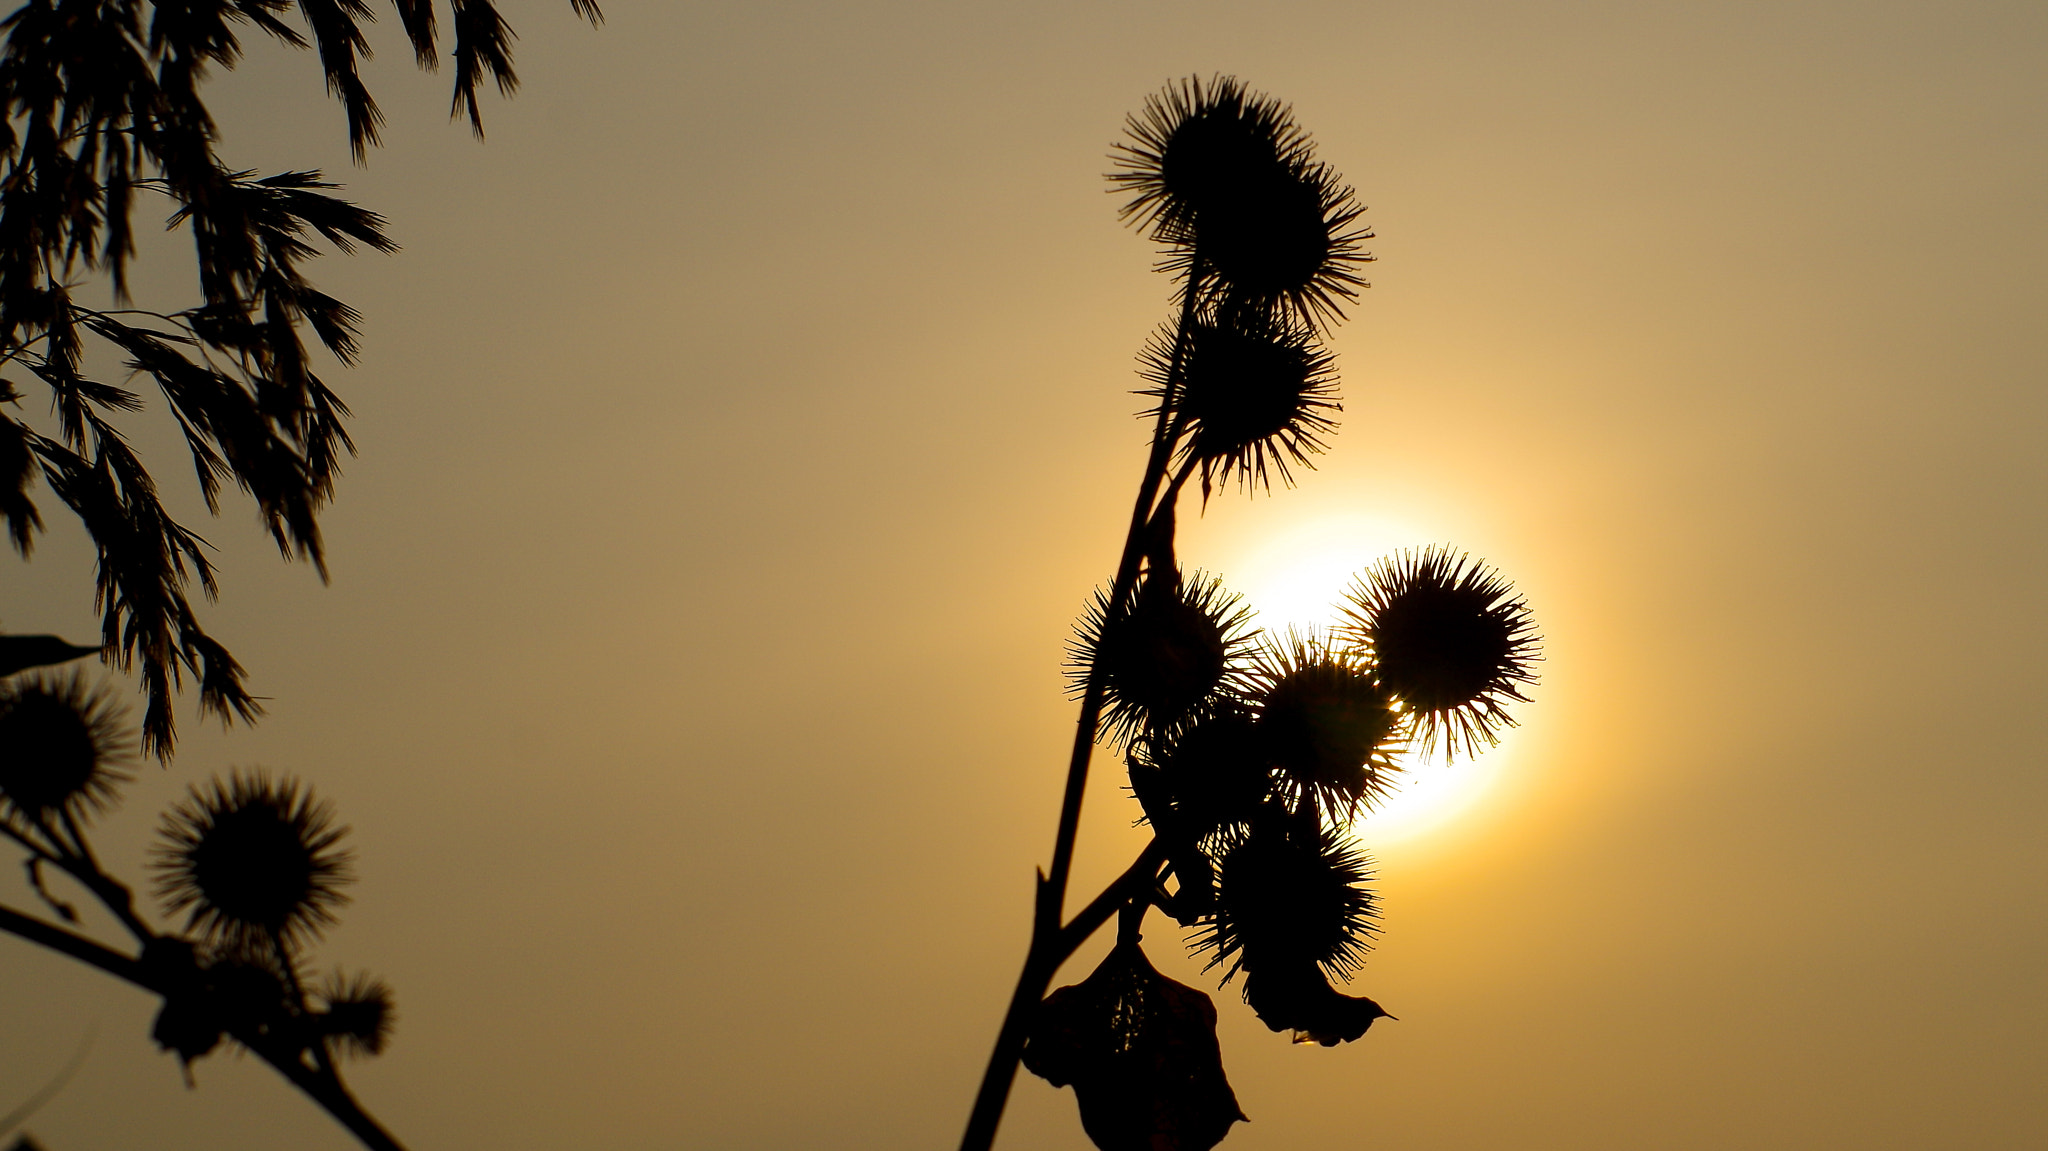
(1051, 941)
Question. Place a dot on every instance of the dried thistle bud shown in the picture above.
(1291, 894)
(254, 862)
(1328, 725)
(1213, 775)
(1164, 660)
(1257, 395)
(1450, 639)
(359, 1013)
(1226, 176)
(61, 747)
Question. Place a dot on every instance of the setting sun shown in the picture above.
(1297, 578)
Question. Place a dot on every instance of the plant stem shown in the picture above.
(1049, 947)
(1047, 952)
(321, 1085)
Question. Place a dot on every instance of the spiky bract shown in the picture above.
(1212, 775)
(1450, 639)
(1328, 726)
(1257, 396)
(1291, 894)
(254, 863)
(359, 1013)
(1192, 142)
(1225, 176)
(61, 747)
(1164, 660)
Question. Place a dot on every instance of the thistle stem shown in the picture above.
(1052, 943)
(321, 1085)
(1041, 962)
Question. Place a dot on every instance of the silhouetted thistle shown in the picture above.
(1213, 775)
(1450, 639)
(1291, 894)
(1329, 728)
(61, 747)
(1251, 761)
(1257, 396)
(1193, 143)
(253, 862)
(359, 1013)
(1164, 660)
(1224, 176)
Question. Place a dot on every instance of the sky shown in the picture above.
(745, 422)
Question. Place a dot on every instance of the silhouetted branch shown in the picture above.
(1049, 949)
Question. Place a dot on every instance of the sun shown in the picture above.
(1297, 577)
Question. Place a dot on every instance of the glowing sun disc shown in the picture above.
(1298, 578)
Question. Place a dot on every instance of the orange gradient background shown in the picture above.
(745, 423)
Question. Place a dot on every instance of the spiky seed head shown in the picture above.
(1450, 639)
(1193, 143)
(1329, 728)
(359, 1014)
(254, 862)
(1291, 894)
(1163, 660)
(1225, 176)
(1258, 396)
(62, 746)
(1284, 241)
(1213, 774)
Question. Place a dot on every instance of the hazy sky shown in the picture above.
(743, 425)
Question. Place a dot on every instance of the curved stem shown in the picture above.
(1049, 939)
(1049, 949)
(322, 1085)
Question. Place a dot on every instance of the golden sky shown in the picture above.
(743, 425)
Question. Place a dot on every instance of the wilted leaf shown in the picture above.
(1140, 1051)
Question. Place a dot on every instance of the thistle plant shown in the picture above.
(253, 865)
(101, 114)
(1253, 757)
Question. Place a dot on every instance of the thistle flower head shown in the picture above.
(1290, 895)
(1225, 176)
(61, 747)
(1195, 143)
(1164, 658)
(1450, 639)
(1212, 775)
(359, 1013)
(254, 862)
(1329, 728)
(1257, 394)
